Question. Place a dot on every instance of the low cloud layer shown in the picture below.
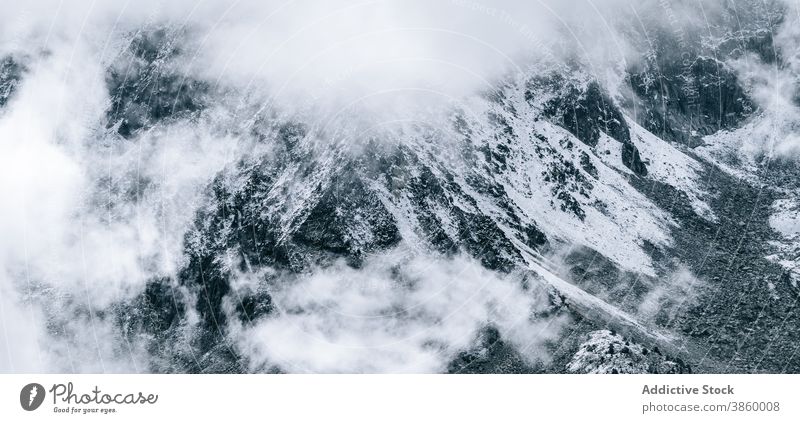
(87, 219)
(396, 314)
(335, 50)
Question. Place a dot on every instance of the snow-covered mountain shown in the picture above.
(559, 219)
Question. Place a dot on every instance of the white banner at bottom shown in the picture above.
(398, 398)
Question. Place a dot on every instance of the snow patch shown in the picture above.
(786, 221)
(607, 352)
(786, 218)
(609, 151)
(667, 164)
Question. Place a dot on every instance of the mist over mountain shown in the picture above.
(450, 186)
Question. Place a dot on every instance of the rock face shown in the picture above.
(146, 88)
(587, 112)
(685, 88)
(10, 74)
(685, 103)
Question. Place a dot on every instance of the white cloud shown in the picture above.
(69, 229)
(396, 314)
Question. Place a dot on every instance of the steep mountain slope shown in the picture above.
(544, 171)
